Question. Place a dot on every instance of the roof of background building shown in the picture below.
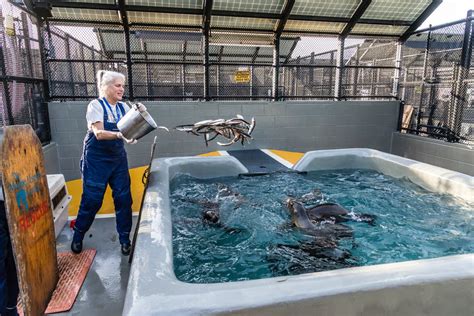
(381, 18)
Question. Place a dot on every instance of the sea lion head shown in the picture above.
(291, 203)
(211, 216)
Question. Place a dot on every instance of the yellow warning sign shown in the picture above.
(242, 76)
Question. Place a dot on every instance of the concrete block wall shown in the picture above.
(457, 157)
(51, 162)
(295, 126)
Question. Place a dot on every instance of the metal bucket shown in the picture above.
(136, 124)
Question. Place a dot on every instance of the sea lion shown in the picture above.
(326, 211)
(211, 216)
(300, 219)
(337, 213)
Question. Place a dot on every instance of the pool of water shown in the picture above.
(254, 237)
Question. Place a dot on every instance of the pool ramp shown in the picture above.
(260, 161)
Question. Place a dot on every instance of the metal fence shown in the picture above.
(23, 89)
(437, 82)
(164, 64)
(430, 71)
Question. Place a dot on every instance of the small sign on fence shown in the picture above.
(242, 76)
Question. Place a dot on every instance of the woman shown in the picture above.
(104, 161)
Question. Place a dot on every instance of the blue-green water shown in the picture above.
(255, 238)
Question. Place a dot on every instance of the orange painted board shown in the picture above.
(29, 215)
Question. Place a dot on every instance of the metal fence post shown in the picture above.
(396, 75)
(43, 55)
(423, 80)
(276, 68)
(69, 64)
(126, 30)
(206, 24)
(339, 69)
(459, 100)
(207, 83)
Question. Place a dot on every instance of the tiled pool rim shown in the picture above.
(438, 286)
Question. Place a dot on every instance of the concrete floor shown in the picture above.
(104, 289)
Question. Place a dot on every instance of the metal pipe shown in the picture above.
(396, 73)
(339, 69)
(276, 68)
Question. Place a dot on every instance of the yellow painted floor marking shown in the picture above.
(291, 156)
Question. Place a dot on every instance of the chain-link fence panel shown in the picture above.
(167, 64)
(369, 69)
(309, 71)
(436, 84)
(241, 82)
(22, 92)
(74, 55)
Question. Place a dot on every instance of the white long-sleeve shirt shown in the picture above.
(95, 113)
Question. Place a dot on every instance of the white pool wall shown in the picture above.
(430, 177)
(440, 286)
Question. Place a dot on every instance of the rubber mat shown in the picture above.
(256, 161)
(73, 270)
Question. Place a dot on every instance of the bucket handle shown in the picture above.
(132, 105)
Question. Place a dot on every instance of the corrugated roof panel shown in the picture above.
(115, 42)
(239, 50)
(376, 29)
(233, 59)
(164, 18)
(264, 60)
(286, 46)
(95, 1)
(189, 4)
(295, 26)
(194, 47)
(404, 10)
(194, 57)
(85, 14)
(334, 8)
(165, 47)
(241, 38)
(268, 6)
(245, 23)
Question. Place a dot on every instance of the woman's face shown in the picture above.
(115, 90)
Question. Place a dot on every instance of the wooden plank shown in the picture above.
(407, 114)
(30, 218)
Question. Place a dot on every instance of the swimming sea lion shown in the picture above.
(336, 212)
(212, 216)
(326, 211)
(300, 218)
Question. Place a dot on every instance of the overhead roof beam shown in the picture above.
(284, 17)
(126, 29)
(206, 15)
(361, 8)
(84, 5)
(433, 5)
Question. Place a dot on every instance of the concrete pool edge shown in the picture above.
(154, 290)
(430, 177)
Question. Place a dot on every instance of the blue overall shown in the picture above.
(105, 162)
(8, 278)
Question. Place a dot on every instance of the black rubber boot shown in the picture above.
(125, 248)
(76, 245)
